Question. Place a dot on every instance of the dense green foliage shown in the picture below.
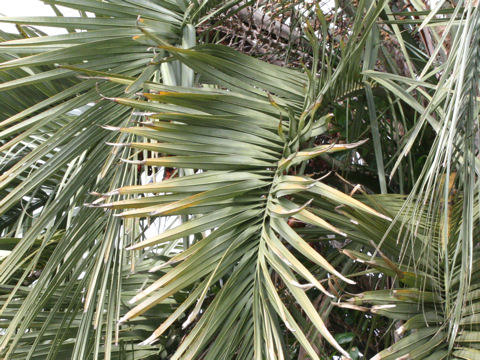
(324, 208)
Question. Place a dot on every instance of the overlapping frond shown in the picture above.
(439, 218)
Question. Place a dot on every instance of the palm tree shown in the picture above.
(281, 235)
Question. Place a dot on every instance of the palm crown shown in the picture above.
(139, 114)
